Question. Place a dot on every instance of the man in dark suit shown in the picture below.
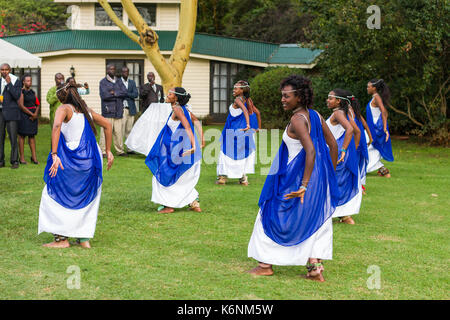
(129, 106)
(151, 92)
(112, 94)
(11, 90)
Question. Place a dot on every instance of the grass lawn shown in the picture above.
(402, 229)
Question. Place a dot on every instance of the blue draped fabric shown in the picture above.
(289, 222)
(76, 186)
(362, 151)
(165, 158)
(378, 135)
(347, 172)
(237, 144)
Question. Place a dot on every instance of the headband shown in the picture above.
(376, 81)
(290, 91)
(338, 97)
(178, 93)
(64, 87)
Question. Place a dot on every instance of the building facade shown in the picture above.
(93, 41)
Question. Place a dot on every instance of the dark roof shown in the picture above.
(206, 44)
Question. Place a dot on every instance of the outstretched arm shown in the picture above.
(301, 130)
(244, 110)
(60, 115)
(107, 128)
(258, 114)
(340, 117)
(198, 125)
(180, 116)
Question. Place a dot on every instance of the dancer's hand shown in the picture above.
(203, 144)
(188, 152)
(387, 135)
(245, 129)
(341, 159)
(56, 164)
(370, 142)
(110, 159)
(296, 194)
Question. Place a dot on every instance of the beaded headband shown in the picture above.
(64, 87)
(338, 97)
(289, 91)
(376, 81)
(178, 93)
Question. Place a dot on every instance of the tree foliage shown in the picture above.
(24, 16)
(410, 52)
(278, 21)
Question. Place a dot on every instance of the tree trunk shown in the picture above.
(170, 71)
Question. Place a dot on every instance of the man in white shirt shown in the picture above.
(151, 92)
(129, 106)
(11, 90)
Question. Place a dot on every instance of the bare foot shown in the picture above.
(60, 244)
(85, 244)
(196, 209)
(259, 271)
(347, 220)
(319, 277)
(166, 210)
(315, 271)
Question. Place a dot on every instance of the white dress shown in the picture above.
(231, 168)
(319, 245)
(374, 155)
(351, 207)
(147, 128)
(55, 218)
(182, 192)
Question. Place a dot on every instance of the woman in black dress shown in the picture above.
(28, 124)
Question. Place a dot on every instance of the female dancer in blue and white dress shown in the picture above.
(71, 197)
(377, 120)
(362, 148)
(237, 150)
(175, 158)
(343, 128)
(293, 225)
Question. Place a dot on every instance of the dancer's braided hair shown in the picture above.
(68, 94)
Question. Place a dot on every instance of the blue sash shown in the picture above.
(237, 144)
(288, 222)
(347, 172)
(76, 186)
(165, 158)
(362, 151)
(378, 135)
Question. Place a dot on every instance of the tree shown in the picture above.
(24, 16)
(409, 51)
(210, 16)
(171, 71)
(278, 21)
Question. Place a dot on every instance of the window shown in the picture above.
(136, 71)
(102, 18)
(35, 78)
(148, 12)
(222, 80)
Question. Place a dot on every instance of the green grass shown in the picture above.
(139, 254)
